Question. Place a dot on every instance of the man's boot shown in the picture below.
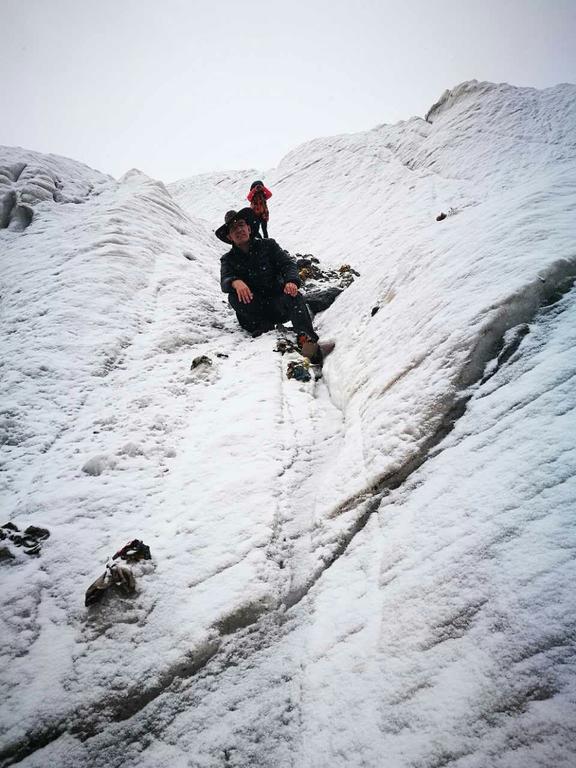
(315, 351)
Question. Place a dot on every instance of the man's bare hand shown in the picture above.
(291, 289)
(244, 293)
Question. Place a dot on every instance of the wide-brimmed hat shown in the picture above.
(247, 214)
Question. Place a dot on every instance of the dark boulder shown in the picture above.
(319, 299)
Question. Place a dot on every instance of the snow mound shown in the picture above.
(29, 178)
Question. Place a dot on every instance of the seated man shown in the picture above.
(262, 283)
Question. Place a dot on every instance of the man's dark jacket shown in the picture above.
(265, 269)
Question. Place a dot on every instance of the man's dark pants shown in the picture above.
(263, 312)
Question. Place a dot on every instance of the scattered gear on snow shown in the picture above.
(200, 360)
(321, 287)
(134, 551)
(284, 345)
(115, 575)
(118, 577)
(299, 370)
(451, 212)
(30, 540)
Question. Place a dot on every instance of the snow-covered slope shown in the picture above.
(371, 569)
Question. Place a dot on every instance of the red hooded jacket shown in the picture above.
(257, 198)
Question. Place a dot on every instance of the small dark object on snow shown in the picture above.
(441, 216)
(40, 534)
(115, 575)
(10, 527)
(96, 590)
(374, 310)
(123, 578)
(222, 354)
(285, 345)
(30, 540)
(298, 370)
(134, 551)
(5, 554)
(308, 267)
(201, 360)
(347, 269)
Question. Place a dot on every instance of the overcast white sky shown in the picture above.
(179, 87)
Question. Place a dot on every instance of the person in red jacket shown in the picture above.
(257, 197)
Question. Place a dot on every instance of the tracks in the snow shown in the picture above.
(500, 341)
